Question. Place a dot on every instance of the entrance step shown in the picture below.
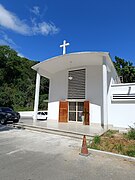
(53, 131)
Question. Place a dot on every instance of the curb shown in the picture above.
(129, 158)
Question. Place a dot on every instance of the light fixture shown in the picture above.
(70, 78)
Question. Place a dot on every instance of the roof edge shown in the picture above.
(74, 53)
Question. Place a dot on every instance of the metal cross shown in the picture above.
(64, 46)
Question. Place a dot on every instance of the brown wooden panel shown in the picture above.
(63, 111)
(86, 113)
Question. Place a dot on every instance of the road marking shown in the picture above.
(12, 152)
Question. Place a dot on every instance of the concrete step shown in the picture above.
(52, 131)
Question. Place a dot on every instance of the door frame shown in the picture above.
(88, 113)
(76, 111)
(66, 108)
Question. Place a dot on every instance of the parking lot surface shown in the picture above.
(27, 155)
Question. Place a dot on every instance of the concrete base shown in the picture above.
(69, 128)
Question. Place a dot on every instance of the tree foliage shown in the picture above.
(125, 69)
(17, 81)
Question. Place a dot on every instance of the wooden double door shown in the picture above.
(74, 111)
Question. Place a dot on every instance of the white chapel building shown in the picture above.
(84, 88)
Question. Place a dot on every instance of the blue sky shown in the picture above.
(36, 28)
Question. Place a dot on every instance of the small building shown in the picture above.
(84, 88)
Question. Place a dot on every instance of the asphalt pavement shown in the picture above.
(28, 155)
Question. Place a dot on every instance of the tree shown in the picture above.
(17, 81)
(125, 69)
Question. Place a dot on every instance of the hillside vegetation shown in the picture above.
(17, 81)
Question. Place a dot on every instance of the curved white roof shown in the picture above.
(74, 60)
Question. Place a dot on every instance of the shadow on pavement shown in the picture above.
(5, 128)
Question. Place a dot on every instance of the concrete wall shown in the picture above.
(95, 114)
(94, 92)
(58, 86)
(57, 92)
(53, 111)
(28, 114)
(127, 88)
(121, 113)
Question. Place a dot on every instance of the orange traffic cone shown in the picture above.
(84, 150)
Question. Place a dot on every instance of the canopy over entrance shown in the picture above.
(74, 60)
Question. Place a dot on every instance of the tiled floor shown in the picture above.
(77, 128)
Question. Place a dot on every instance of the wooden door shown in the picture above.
(86, 113)
(63, 111)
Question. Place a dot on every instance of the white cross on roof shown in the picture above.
(64, 46)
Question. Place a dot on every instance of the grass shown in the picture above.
(110, 133)
(113, 141)
(131, 133)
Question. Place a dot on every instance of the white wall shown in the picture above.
(121, 113)
(53, 111)
(127, 88)
(95, 114)
(94, 92)
(58, 86)
(28, 114)
(57, 92)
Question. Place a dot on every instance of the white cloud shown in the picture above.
(44, 28)
(21, 55)
(5, 40)
(10, 21)
(35, 10)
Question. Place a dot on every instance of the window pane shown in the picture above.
(79, 116)
(80, 106)
(72, 106)
(72, 116)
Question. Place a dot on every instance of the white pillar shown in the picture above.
(104, 109)
(36, 97)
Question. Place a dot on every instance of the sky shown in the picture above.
(37, 28)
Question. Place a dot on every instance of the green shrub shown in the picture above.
(131, 133)
(97, 139)
(131, 153)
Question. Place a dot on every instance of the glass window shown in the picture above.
(79, 116)
(5, 109)
(72, 116)
(72, 106)
(80, 106)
